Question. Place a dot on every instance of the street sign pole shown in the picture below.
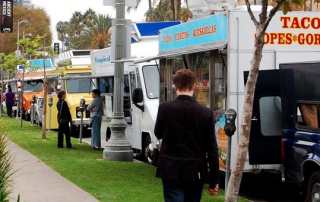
(118, 147)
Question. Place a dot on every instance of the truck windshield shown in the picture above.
(78, 85)
(152, 81)
(32, 86)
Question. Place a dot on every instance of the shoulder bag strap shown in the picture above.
(60, 109)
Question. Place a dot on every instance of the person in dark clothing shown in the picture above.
(63, 113)
(10, 99)
(187, 130)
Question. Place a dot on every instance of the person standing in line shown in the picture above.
(96, 112)
(63, 113)
(187, 130)
(10, 99)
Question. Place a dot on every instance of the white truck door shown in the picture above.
(136, 113)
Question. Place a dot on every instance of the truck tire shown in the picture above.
(149, 152)
(314, 187)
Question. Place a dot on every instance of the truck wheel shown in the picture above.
(314, 187)
(149, 152)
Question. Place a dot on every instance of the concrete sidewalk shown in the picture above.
(37, 182)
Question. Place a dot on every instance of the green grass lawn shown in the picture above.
(105, 180)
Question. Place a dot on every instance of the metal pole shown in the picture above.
(228, 160)
(50, 105)
(118, 148)
(21, 97)
(45, 91)
(33, 119)
(50, 120)
(81, 127)
(18, 102)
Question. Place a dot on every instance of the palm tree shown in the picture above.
(76, 20)
(151, 4)
(161, 13)
(185, 14)
(96, 35)
(89, 15)
(63, 32)
(164, 12)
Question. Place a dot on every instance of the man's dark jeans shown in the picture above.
(177, 191)
(61, 131)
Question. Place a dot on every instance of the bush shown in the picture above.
(6, 162)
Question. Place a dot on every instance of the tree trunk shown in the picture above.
(44, 120)
(150, 10)
(177, 9)
(237, 169)
(172, 8)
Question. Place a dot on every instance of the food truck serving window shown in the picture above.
(210, 70)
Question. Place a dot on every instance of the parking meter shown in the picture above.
(33, 101)
(82, 105)
(50, 101)
(229, 129)
(82, 108)
(230, 126)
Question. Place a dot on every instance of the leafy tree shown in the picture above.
(76, 22)
(89, 15)
(261, 25)
(85, 31)
(96, 34)
(39, 24)
(163, 12)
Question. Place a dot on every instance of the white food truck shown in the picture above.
(143, 76)
(218, 49)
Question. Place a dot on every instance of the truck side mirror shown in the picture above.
(137, 97)
(230, 126)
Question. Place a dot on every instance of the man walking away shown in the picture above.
(187, 130)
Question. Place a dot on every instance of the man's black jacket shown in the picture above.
(187, 130)
(65, 112)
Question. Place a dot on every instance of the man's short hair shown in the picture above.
(184, 79)
(61, 93)
(97, 92)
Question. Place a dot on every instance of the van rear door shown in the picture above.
(266, 123)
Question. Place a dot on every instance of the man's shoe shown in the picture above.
(71, 148)
(95, 148)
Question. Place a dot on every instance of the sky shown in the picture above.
(62, 10)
